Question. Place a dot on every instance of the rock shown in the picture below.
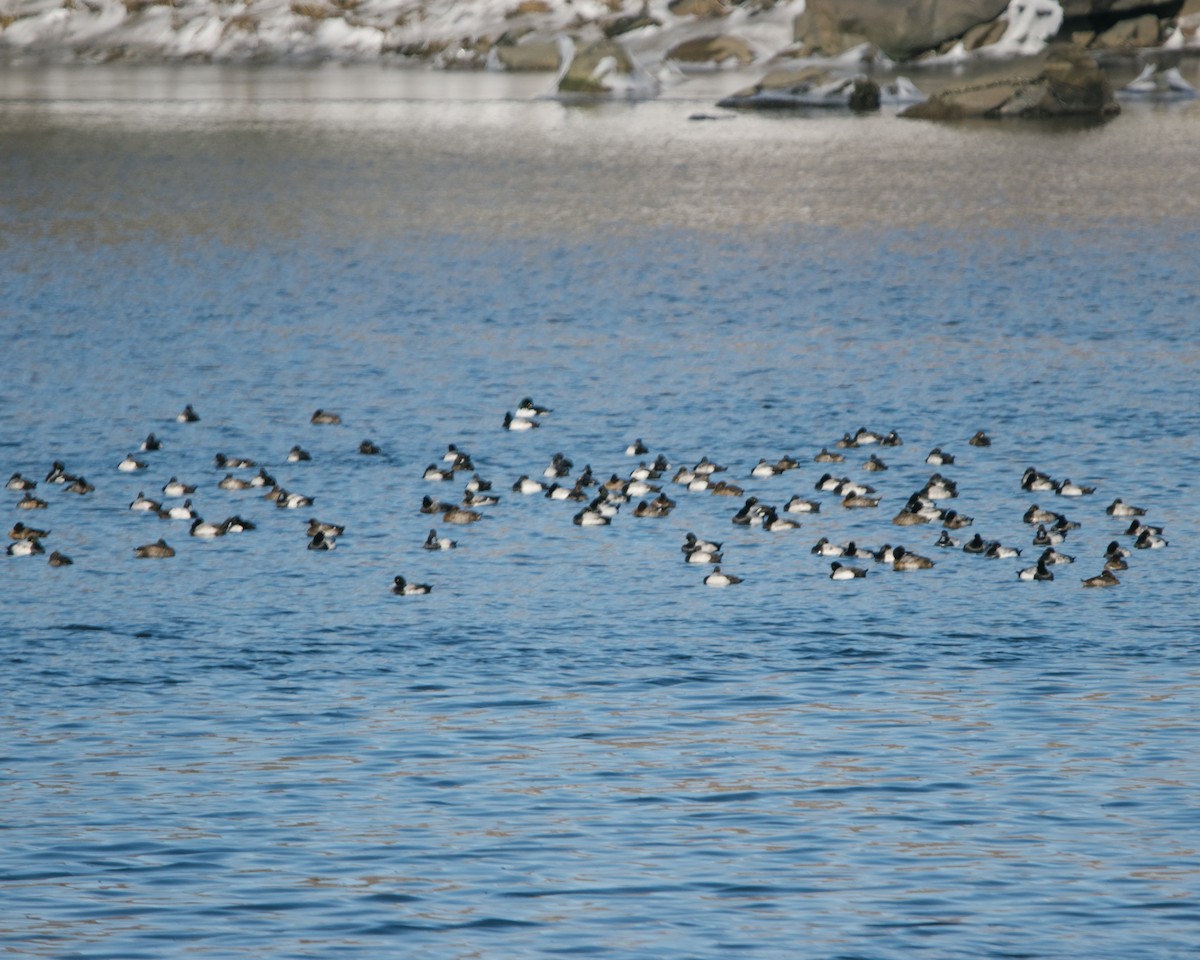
(602, 69)
(1070, 83)
(702, 9)
(719, 51)
(525, 57)
(620, 25)
(902, 29)
(817, 87)
(1143, 31)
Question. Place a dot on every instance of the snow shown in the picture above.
(463, 30)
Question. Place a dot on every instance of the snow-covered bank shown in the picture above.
(527, 34)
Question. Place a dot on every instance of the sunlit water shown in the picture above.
(572, 746)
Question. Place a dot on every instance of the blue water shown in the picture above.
(572, 746)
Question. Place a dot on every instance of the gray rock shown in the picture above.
(814, 87)
(1069, 83)
(902, 29)
(719, 51)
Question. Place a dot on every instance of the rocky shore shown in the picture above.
(845, 53)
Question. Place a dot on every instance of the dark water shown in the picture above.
(572, 746)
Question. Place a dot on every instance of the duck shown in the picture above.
(1035, 480)
(691, 542)
(298, 455)
(1136, 527)
(823, 548)
(1114, 549)
(863, 437)
(1039, 572)
(643, 472)
(155, 550)
(182, 512)
(519, 423)
(293, 501)
(202, 528)
(22, 532)
(706, 467)
(187, 415)
(703, 556)
(847, 442)
(854, 501)
(1053, 557)
(938, 458)
(750, 514)
(636, 449)
(723, 488)
(825, 455)
(977, 545)
(461, 515)
(980, 439)
(57, 559)
(130, 464)
(651, 508)
(559, 491)
(1045, 537)
(326, 417)
(558, 467)
(891, 439)
(1148, 540)
(641, 488)
(1119, 508)
(30, 502)
(786, 462)
(18, 482)
(1115, 563)
(177, 488)
(828, 483)
(223, 462)
(262, 479)
(720, 579)
(368, 448)
(150, 444)
(322, 541)
(230, 482)
(80, 486)
(1106, 578)
(453, 454)
(315, 526)
(403, 588)
(903, 560)
(142, 503)
(1036, 514)
(763, 470)
(997, 551)
(775, 523)
(434, 542)
(591, 517)
(841, 571)
(1067, 488)
(236, 524)
(953, 520)
(429, 505)
(477, 484)
(527, 409)
(434, 472)
(58, 474)
(799, 505)
(527, 485)
(938, 487)
(874, 464)
(25, 548)
(946, 542)
(479, 499)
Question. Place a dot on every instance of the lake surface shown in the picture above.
(572, 747)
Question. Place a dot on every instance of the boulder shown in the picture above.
(812, 87)
(602, 69)
(701, 9)
(1143, 31)
(718, 51)
(1069, 83)
(902, 29)
(525, 57)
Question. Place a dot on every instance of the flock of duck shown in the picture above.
(601, 501)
